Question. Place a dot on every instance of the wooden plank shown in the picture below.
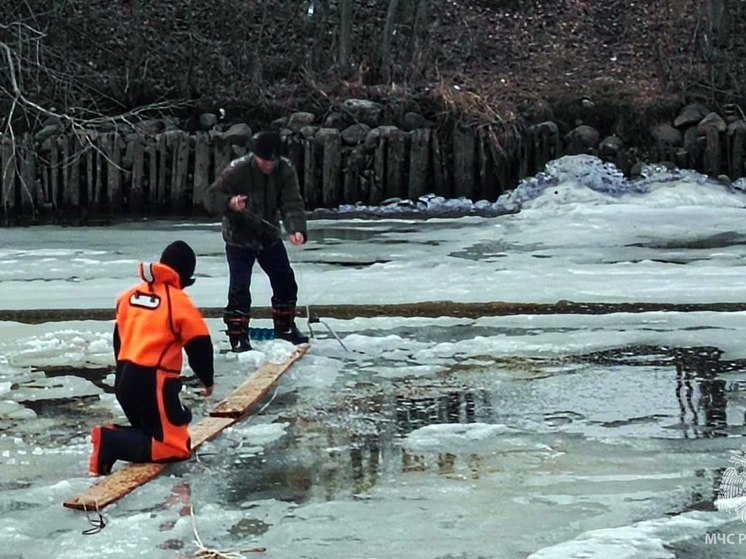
(124, 481)
(253, 390)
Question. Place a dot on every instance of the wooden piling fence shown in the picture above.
(137, 174)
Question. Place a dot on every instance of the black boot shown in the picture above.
(283, 317)
(238, 330)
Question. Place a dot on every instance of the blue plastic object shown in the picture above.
(261, 334)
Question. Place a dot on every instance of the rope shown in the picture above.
(97, 524)
(310, 317)
(206, 553)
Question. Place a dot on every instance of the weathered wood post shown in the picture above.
(151, 153)
(222, 153)
(164, 157)
(101, 186)
(137, 194)
(463, 162)
(64, 143)
(114, 172)
(310, 173)
(396, 152)
(487, 177)
(201, 168)
(353, 167)
(296, 152)
(8, 159)
(711, 127)
(547, 144)
(736, 134)
(54, 172)
(441, 186)
(179, 171)
(330, 176)
(27, 174)
(378, 179)
(90, 171)
(419, 163)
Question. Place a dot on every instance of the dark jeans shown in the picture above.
(274, 261)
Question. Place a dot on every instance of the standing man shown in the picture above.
(251, 195)
(154, 321)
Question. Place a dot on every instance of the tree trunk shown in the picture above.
(345, 32)
(388, 28)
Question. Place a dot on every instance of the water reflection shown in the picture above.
(706, 416)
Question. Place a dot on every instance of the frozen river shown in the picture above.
(541, 436)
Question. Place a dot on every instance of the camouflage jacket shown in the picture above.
(269, 198)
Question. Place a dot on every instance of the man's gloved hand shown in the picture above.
(237, 203)
(297, 238)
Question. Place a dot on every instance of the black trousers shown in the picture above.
(275, 263)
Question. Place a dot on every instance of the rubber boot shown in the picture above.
(283, 316)
(116, 442)
(238, 330)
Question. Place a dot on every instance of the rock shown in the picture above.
(238, 134)
(355, 134)
(374, 136)
(337, 120)
(636, 170)
(610, 147)
(581, 139)
(299, 120)
(664, 133)
(239, 151)
(712, 121)
(150, 127)
(279, 123)
(47, 132)
(207, 121)
(737, 127)
(732, 112)
(690, 138)
(308, 132)
(362, 110)
(413, 121)
(691, 114)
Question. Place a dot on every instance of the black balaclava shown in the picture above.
(180, 257)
